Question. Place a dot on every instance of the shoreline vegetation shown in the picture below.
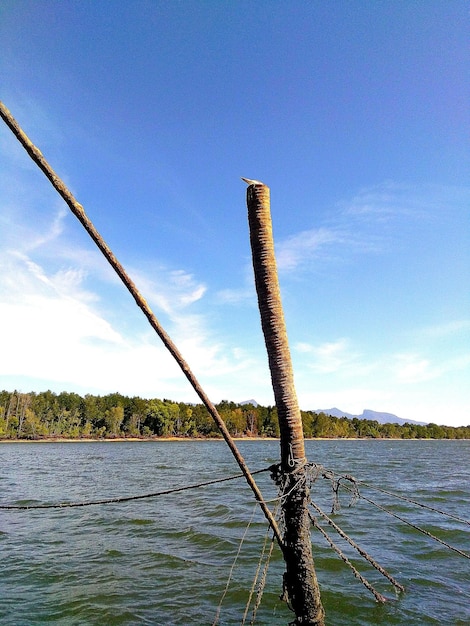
(68, 417)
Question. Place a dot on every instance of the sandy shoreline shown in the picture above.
(134, 439)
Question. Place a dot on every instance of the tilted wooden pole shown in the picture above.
(300, 581)
(79, 212)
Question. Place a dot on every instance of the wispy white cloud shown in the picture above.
(413, 368)
(55, 230)
(307, 245)
(235, 296)
(169, 290)
(384, 203)
(329, 357)
(371, 222)
(446, 329)
(389, 201)
(410, 368)
(342, 357)
(54, 328)
(345, 234)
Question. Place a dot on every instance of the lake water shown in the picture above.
(166, 560)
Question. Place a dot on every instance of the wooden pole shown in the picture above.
(300, 581)
(79, 212)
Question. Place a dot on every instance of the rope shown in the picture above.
(335, 485)
(424, 506)
(378, 596)
(255, 579)
(418, 528)
(361, 551)
(217, 615)
(263, 577)
(155, 494)
(262, 583)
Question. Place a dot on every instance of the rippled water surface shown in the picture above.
(167, 559)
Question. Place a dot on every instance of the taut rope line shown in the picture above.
(361, 551)
(65, 505)
(421, 504)
(378, 596)
(418, 528)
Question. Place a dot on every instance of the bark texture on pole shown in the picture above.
(300, 581)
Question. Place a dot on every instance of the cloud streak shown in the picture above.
(329, 357)
(368, 224)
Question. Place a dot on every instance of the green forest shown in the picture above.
(45, 415)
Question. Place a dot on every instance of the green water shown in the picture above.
(166, 560)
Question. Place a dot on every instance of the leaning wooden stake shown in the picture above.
(300, 581)
(79, 212)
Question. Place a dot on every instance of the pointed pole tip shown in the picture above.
(249, 181)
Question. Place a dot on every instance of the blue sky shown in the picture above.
(356, 116)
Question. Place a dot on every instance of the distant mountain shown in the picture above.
(335, 413)
(367, 414)
(253, 402)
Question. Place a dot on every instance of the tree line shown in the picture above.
(46, 414)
